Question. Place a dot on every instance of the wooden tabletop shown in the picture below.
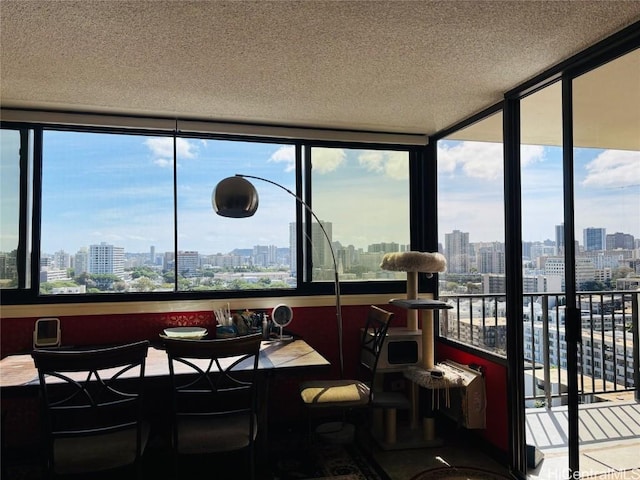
(20, 371)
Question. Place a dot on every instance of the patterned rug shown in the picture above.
(462, 473)
(327, 462)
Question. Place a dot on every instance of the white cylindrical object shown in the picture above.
(412, 294)
(428, 428)
(428, 356)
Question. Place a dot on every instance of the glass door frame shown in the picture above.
(599, 54)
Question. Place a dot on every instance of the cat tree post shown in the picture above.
(412, 294)
(412, 263)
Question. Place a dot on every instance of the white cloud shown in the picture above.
(286, 155)
(482, 160)
(476, 159)
(392, 164)
(372, 160)
(162, 150)
(327, 160)
(530, 154)
(613, 168)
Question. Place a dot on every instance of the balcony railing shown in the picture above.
(607, 355)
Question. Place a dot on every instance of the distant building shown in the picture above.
(62, 259)
(559, 240)
(490, 260)
(456, 245)
(629, 283)
(52, 274)
(383, 247)
(594, 238)
(554, 268)
(81, 262)
(106, 259)
(188, 263)
(617, 240)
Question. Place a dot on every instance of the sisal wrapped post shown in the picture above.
(412, 263)
(428, 340)
(412, 294)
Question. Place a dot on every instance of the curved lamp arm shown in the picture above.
(246, 207)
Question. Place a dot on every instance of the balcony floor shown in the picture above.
(609, 440)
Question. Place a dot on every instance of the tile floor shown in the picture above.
(609, 441)
(458, 449)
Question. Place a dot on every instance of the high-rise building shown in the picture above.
(152, 255)
(559, 240)
(106, 259)
(62, 260)
(321, 249)
(456, 248)
(490, 260)
(188, 263)
(265, 255)
(383, 247)
(293, 257)
(617, 240)
(554, 269)
(81, 261)
(594, 238)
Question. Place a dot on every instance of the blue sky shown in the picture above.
(119, 189)
(470, 183)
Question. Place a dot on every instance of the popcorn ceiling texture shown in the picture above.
(391, 66)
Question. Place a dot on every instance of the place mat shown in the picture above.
(459, 473)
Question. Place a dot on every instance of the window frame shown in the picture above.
(31, 191)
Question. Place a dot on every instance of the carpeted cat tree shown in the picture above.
(413, 263)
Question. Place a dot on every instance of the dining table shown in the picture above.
(19, 376)
(18, 372)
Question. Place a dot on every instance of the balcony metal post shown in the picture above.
(636, 344)
(545, 349)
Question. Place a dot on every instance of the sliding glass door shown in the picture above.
(606, 203)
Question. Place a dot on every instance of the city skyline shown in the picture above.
(124, 195)
(246, 248)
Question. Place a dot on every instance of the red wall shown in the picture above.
(497, 431)
(316, 325)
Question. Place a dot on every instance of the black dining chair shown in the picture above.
(345, 395)
(214, 397)
(92, 409)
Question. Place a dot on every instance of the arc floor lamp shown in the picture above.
(236, 197)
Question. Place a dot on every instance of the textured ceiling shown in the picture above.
(395, 66)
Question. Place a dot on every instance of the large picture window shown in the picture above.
(107, 206)
(217, 253)
(126, 212)
(9, 207)
(362, 198)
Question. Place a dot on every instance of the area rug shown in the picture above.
(327, 462)
(460, 473)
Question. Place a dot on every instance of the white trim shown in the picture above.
(293, 133)
(115, 308)
(86, 119)
(196, 126)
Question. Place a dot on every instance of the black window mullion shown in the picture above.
(32, 197)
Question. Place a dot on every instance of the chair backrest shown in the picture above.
(373, 336)
(214, 377)
(90, 393)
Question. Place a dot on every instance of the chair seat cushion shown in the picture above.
(97, 452)
(208, 434)
(334, 393)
